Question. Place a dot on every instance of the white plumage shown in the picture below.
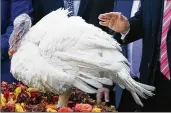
(62, 52)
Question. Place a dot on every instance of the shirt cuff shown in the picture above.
(123, 35)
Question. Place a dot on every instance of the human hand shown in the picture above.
(115, 21)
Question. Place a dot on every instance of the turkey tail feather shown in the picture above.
(133, 86)
(137, 99)
(150, 88)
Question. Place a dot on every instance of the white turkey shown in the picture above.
(61, 52)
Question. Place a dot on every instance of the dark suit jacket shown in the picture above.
(89, 9)
(147, 23)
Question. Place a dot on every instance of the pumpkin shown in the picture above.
(83, 107)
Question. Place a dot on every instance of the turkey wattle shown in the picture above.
(62, 52)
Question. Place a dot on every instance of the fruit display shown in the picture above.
(20, 98)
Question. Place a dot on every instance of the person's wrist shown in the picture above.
(126, 29)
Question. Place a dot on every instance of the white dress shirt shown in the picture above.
(135, 7)
(76, 6)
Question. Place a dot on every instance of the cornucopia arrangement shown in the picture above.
(21, 98)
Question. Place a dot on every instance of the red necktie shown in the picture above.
(164, 64)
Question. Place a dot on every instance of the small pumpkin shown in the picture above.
(65, 109)
(83, 107)
(51, 106)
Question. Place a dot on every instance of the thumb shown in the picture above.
(120, 16)
(123, 18)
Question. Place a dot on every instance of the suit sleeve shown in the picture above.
(136, 29)
(17, 7)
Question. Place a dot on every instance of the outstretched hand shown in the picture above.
(115, 21)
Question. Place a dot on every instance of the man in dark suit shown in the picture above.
(89, 10)
(152, 22)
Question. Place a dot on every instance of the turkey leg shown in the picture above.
(63, 99)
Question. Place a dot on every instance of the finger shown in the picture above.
(106, 95)
(104, 23)
(105, 15)
(117, 16)
(113, 19)
(120, 17)
(113, 15)
(123, 18)
(111, 22)
(108, 16)
(101, 16)
(104, 19)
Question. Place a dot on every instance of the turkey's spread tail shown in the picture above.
(124, 80)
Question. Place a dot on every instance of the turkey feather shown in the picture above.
(83, 86)
(91, 82)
